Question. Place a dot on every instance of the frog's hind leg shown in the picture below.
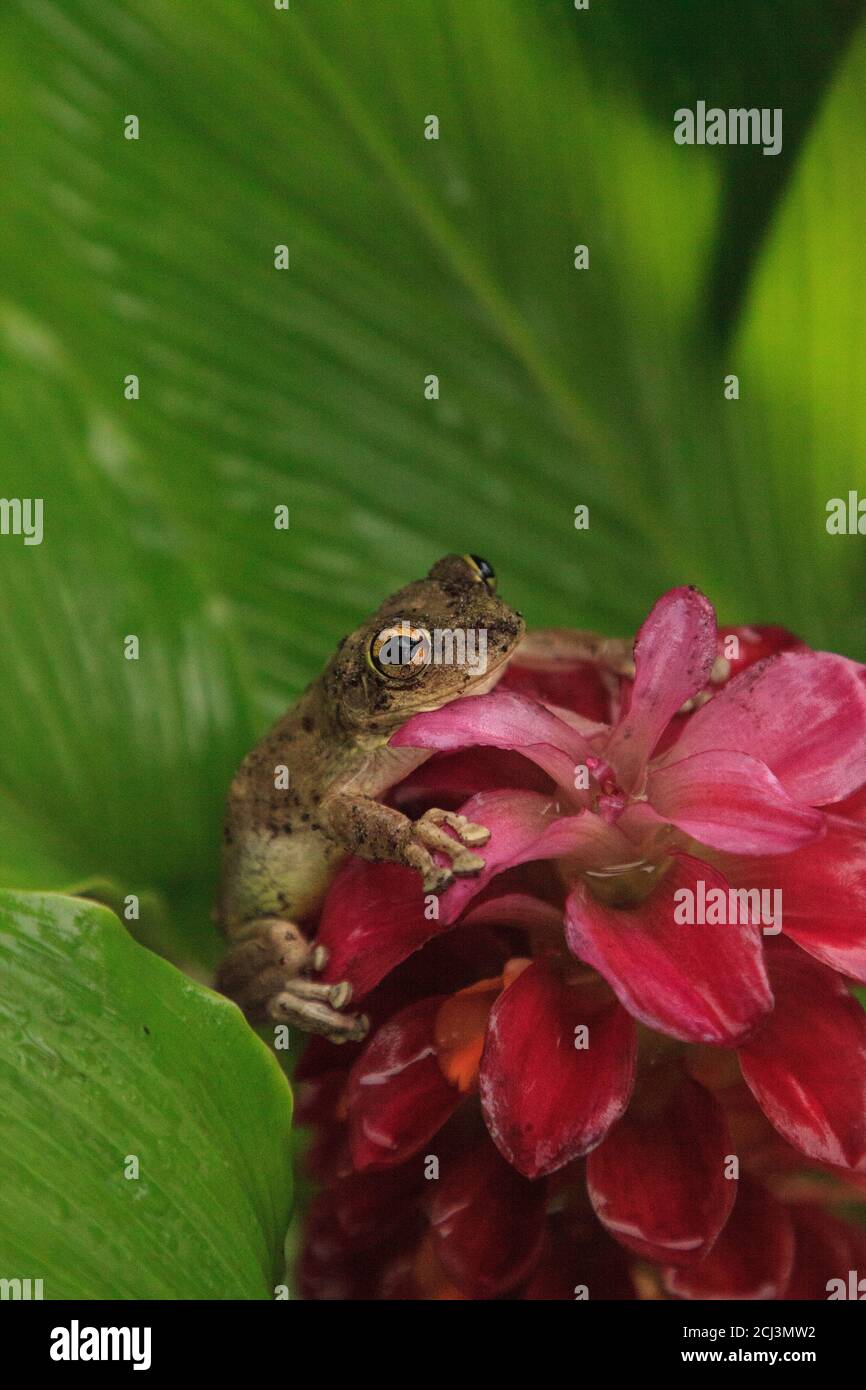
(263, 974)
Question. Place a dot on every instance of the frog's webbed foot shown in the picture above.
(315, 1008)
(426, 836)
(263, 975)
(365, 827)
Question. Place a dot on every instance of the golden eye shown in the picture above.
(400, 652)
(483, 570)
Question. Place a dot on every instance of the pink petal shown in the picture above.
(376, 915)
(674, 654)
(516, 910)
(578, 1255)
(823, 895)
(827, 1249)
(364, 1210)
(755, 643)
(853, 807)
(752, 1258)
(658, 1181)
(586, 727)
(525, 826)
(576, 685)
(373, 918)
(397, 1096)
(731, 801)
(699, 983)
(488, 1222)
(545, 1100)
(501, 719)
(446, 779)
(806, 1064)
(802, 713)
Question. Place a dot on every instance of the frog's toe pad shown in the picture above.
(466, 830)
(262, 974)
(429, 832)
(297, 1007)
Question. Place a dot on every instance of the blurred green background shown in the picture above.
(305, 387)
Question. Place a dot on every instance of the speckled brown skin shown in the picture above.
(281, 846)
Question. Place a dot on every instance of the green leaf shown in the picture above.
(113, 764)
(778, 54)
(802, 354)
(109, 1053)
(305, 388)
(408, 257)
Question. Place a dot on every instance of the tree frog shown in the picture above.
(308, 794)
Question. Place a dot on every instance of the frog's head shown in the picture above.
(439, 638)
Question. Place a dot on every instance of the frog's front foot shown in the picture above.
(426, 836)
(263, 975)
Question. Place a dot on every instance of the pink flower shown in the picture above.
(563, 1016)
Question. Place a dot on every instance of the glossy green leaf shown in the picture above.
(113, 764)
(408, 257)
(108, 1055)
(802, 350)
(305, 388)
(778, 54)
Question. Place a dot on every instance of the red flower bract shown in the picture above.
(682, 878)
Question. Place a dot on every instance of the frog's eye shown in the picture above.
(400, 652)
(483, 570)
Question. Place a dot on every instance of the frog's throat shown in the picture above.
(482, 686)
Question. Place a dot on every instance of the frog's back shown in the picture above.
(276, 858)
